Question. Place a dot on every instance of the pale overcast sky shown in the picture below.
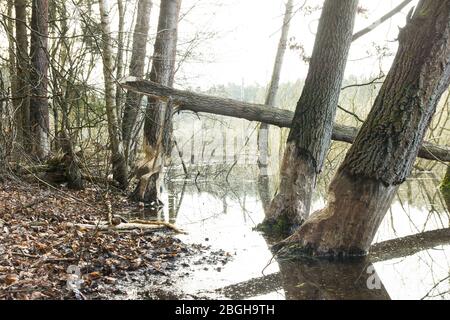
(249, 31)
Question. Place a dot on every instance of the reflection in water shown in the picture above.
(223, 215)
(318, 279)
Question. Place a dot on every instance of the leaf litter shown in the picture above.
(39, 245)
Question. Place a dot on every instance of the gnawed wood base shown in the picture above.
(147, 189)
(291, 205)
(346, 227)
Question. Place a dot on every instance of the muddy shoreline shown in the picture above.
(42, 257)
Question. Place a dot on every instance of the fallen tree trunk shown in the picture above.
(186, 100)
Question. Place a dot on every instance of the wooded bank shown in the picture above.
(186, 100)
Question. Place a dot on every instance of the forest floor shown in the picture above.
(43, 256)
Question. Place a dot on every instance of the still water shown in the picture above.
(223, 214)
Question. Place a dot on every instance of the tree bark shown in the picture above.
(263, 132)
(158, 115)
(23, 65)
(198, 103)
(120, 169)
(311, 130)
(383, 154)
(39, 118)
(137, 65)
(13, 68)
(445, 188)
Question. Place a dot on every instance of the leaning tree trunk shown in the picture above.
(158, 115)
(263, 132)
(137, 64)
(312, 126)
(120, 169)
(383, 154)
(39, 120)
(22, 115)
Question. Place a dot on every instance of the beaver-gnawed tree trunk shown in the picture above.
(383, 154)
(445, 188)
(310, 135)
(137, 65)
(158, 115)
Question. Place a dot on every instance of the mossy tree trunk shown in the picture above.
(383, 154)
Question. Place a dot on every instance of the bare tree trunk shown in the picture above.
(445, 188)
(3, 135)
(158, 115)
(311, 132)
(23, 65)
(192, 160)
(63, 139)
(382, 156)
(381, 251)
(120, 170)
(137, 65)
(12, 66)
(263, 132)
(224, 144)
(119, 59)
(39, 118)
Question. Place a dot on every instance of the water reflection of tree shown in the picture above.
(238, 188)
(320, 279)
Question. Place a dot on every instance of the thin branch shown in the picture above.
(378, 22)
